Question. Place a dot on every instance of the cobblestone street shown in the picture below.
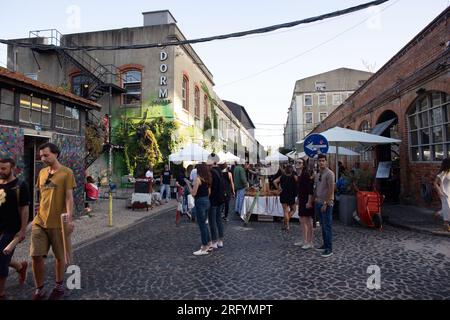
(153, 260)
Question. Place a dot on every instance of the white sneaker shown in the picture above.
(200, 252)
(299, 243)
(214, 245)
(307, 246)
(220, 244)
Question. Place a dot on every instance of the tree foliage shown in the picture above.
(94, 140)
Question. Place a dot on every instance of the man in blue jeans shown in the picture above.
(324, 200)
(166, 177)
(240, 184)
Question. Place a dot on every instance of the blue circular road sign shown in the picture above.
(315, 144)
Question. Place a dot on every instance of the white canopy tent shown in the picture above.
(332, 150)
(341, 137)
(293, 155)
(276, 157)
(223, 157)
(191, 152)
(232, 158)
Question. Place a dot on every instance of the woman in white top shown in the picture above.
(442, 185)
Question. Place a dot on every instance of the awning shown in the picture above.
(380, 128)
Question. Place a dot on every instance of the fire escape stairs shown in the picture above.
(102, 78)
(94, 122)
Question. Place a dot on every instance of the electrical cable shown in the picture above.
(199, 40)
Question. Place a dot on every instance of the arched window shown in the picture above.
(197, 102)
(429, 127)
(80, 85)
(206, 104)
(185, 93)
(365, 154)
(132, 83)
(365, 127)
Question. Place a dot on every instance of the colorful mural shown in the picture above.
(12, 145)
(72, 156)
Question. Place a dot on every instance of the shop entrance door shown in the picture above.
(33, 165)
(390, 187)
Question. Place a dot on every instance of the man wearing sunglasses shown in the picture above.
(55, 183)
(324, 200)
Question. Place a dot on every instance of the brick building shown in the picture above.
(170, 82)
(408, 99)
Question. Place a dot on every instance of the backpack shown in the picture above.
(221, 195)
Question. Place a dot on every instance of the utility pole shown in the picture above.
(110, 159)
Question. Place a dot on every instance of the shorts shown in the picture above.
(305, 212)
(42, 239)
(5, 239)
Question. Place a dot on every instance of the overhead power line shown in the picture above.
(297, 55)
(219, 37)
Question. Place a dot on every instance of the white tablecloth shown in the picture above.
(265, 205)
(141, 197)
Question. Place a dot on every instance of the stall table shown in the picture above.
(265, 205)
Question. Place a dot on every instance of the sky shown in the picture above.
(257, 71)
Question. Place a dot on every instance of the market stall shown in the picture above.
(265, 205)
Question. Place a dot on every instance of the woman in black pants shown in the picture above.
(229, 187)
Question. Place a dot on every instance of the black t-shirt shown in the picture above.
(217, 196)
(9, 210)
(180, 179)
(166, 177)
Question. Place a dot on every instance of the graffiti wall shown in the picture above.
(12, 145)
(72, 156)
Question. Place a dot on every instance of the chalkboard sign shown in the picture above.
(141, 186)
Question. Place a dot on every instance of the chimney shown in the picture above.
(154, 18)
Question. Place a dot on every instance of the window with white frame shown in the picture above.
(35, 110)
(336, 99)
(322, 99)
(67, 118)
(6, 104)
(132, 83)
(185, 93)
(197, 102)
(322, 116)
(308, 100)
(308, 117)
(429, 127)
